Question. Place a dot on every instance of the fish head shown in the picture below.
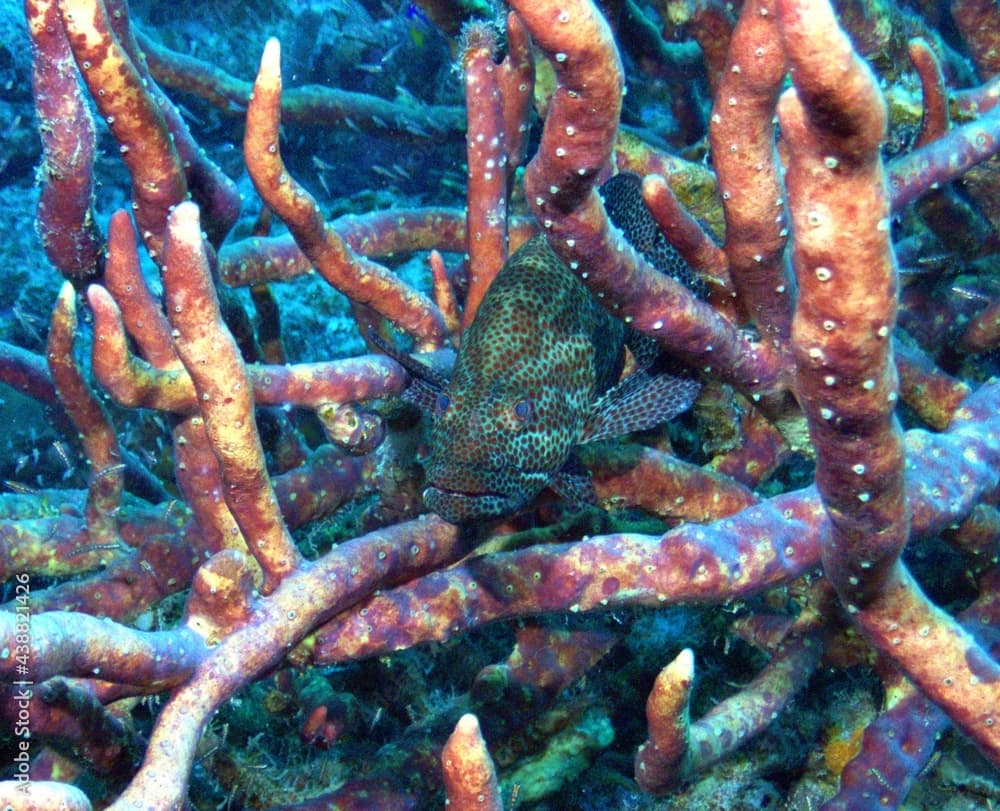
(497, 439)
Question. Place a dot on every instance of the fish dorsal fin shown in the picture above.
(643, 348)
(422, 394)
(427, 383)
(638, 402)
(417, 369)
(623, 201)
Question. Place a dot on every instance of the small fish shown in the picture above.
(971, 292)
(418, 24)
(536, 375)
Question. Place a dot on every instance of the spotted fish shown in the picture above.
(537, 374)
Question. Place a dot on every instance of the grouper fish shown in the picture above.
(536, 375)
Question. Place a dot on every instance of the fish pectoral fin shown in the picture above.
(638, 402)
(573, 484)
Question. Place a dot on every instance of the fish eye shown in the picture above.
(442, 403)
(523, 410)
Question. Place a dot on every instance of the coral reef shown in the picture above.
(222, 586)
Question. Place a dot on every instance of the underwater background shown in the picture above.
(560, 693)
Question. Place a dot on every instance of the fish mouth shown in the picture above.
(437, 488)
(456, 506)
(436, 491)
